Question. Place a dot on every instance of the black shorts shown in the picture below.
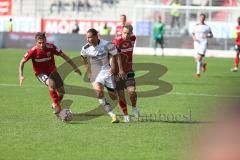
(123, 84)
(44, 78)
(159, 40)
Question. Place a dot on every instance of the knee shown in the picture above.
(51, 87)
(113, 97)
(99, 94)
(131, 91)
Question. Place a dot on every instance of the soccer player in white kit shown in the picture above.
(100, 72)
(200, 34)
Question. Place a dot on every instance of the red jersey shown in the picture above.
(125, 48)
(43, 60)
(119, 29)
(238, 35)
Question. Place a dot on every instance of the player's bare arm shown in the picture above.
(112, 59)
(86, 66)
(194, 37)
(74, 66)
(121, 71)
(21, 76)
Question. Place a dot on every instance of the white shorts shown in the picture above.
(104, 78)
(200, 48)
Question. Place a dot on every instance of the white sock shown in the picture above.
(110, 113)
(201, 63)
(106, 106)
(198, 67)
(102, 101)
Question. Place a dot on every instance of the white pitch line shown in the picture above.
(17, 85)
(9, 85)
(171, 93)
(204, 95)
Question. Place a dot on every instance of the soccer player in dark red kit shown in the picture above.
(125, 45)
(119, 27)
(42, 56)
(237, 47)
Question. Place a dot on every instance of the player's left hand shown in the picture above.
(77, 71)
(21, 78)
(122, 74)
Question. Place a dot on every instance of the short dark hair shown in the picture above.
(123, 15)
(129, 27)
(202, 14)
(93, 31)
(40, 35)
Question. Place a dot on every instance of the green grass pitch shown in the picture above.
(29, 130)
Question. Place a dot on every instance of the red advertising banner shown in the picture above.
(66, 25)
(5, 7)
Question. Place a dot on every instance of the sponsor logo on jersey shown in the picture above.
(43, 59)
(127, 49)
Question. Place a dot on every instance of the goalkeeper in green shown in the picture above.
(158, 34)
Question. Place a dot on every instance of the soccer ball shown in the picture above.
(65, 115)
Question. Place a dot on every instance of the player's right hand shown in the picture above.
(21, 78)
(77, 71)
(122, 74)
(195, 39)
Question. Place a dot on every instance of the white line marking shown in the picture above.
(9, 85)
(205, 95)
(171, 93)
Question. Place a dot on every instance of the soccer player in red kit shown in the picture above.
(125, 45)
(42, 56)
(237, 47)
(119, 28)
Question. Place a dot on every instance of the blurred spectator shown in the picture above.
(75, 28)
(80, 5)
(109, 3)
(87, 5)
(158, 34)
(105, 30)
(10, 25)
(175, 13)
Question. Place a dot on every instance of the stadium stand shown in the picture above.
(109, 9)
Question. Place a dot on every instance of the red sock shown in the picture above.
(237, 60)
(54, 98)
(123, 106)
(133, 98)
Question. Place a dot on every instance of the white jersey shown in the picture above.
(201, 32)
(99, 55)
(99, 61)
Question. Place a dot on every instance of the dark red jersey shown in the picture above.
(43, 60)
(125, 48)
